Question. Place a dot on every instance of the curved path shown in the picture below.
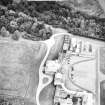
(42, 85)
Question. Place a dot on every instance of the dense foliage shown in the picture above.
(53, 14)
(16, 23)
(5, 2)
